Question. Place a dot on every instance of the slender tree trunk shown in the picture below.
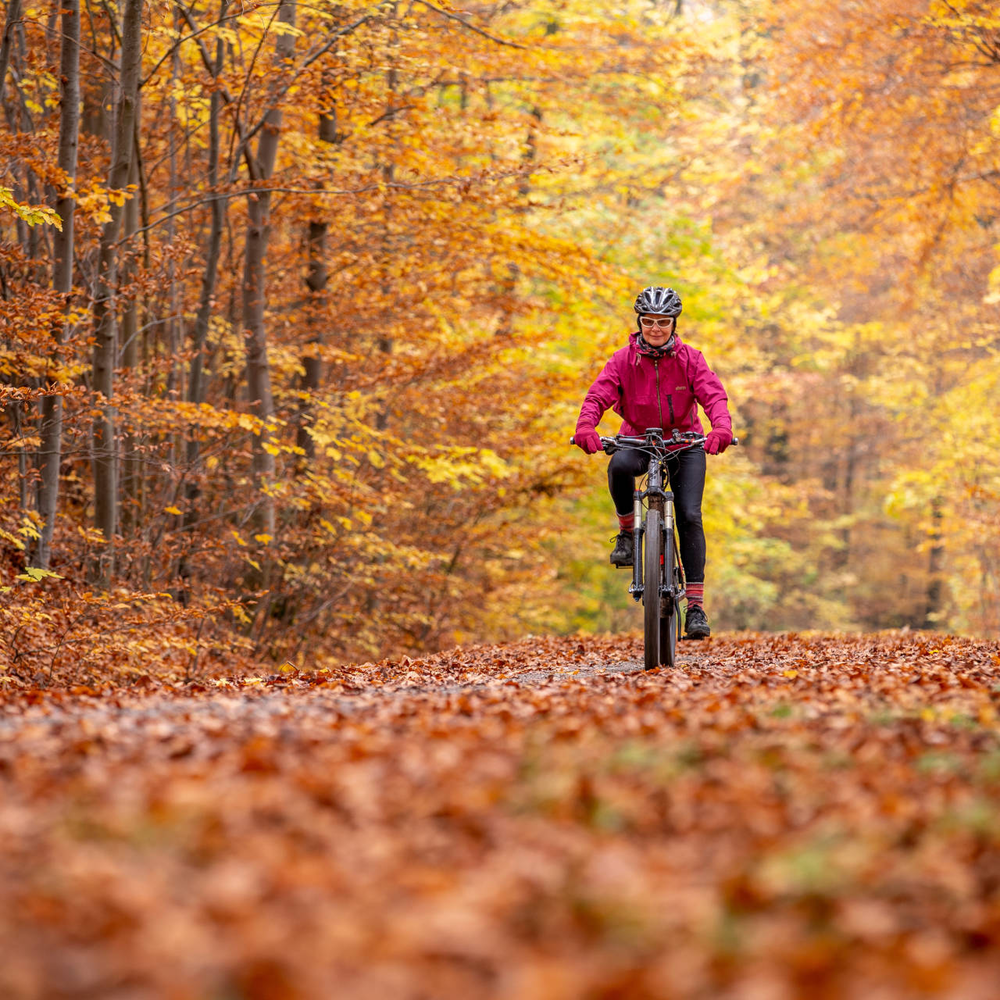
(13, 17)
(386, 343)
(509, 287)
(206, 305)
(131, 516)
(105, 323)
(210, 274)
(316, 280)
(255, 289)
(935, 567)
(50, 451)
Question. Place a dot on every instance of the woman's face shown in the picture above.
(656, 329)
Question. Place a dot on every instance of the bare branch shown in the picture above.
(479, 31)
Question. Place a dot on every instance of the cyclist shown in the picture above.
(657, 381)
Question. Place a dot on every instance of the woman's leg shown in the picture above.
(622, 470)
(687, 481)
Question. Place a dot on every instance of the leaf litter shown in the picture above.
(779, 816)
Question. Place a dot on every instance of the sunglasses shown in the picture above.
(649, 322)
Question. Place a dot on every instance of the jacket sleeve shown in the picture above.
(709, 392)
(601, 396)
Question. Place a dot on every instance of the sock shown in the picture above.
(696, 593)
(626, 522)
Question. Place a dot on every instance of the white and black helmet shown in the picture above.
(658, 301)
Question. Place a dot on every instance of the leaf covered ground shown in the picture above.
(780, 816)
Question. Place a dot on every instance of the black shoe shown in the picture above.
(696, 623)
(621, 554)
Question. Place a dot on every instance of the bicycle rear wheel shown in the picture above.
(652, 579)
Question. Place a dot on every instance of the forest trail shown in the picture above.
(779, 815)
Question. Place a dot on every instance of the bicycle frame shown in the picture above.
(656, 499)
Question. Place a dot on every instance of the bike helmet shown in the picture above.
(658, 301)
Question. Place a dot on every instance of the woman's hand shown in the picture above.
(718, 441)
(587, 439)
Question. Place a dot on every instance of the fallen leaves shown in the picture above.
(540, 819)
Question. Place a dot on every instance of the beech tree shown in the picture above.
(104, 304)
(51, 424)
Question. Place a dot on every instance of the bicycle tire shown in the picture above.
(668, 634)
(670, 609)
(652, 578)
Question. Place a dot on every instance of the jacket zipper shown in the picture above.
(659, 403)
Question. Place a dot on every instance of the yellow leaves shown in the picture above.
(13, 539)
(458, 466)
(34, 575)
(239, 613)
(173, 510)
(33, 215)
(261, 21)
(94, 203)
(28, 528)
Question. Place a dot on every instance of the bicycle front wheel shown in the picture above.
(652, 579)
(670, 605)
(668, 634)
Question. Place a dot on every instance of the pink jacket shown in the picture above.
(650, 392)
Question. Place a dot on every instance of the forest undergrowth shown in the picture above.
(779, 816)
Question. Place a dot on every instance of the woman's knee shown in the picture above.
(689, 516)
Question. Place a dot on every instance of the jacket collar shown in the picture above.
(639, 346)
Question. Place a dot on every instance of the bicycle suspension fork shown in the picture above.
(637, 531)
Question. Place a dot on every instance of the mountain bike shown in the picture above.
(657, 572)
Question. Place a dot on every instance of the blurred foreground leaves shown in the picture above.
(781, 816)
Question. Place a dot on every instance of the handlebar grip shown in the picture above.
(735, 441)
(572, 439)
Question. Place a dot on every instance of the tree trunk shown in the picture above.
(935, 567)
(105, 324)
(316, 281)
(209, 280)
(255, 289)
(509, 286)
(131, 514)
(13, 17)
(50, 450)
(385, 342)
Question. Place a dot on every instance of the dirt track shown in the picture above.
(779, 816)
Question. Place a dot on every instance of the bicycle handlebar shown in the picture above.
(683, 440)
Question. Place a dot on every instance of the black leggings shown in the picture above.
(687, 480)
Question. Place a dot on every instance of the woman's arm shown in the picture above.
(709, 392)
(601, 396)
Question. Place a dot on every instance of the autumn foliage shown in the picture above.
(298, 303)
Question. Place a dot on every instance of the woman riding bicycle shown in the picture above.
(658, 381)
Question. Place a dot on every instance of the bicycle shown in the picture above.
(654, 558)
